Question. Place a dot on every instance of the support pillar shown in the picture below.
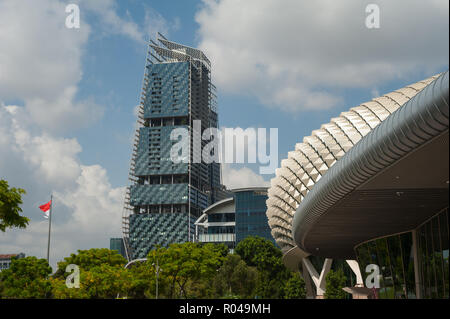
(417, 276)
(319, 280)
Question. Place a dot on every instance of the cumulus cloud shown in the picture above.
(40, 66)
(292, 54)
(95, 204)
(39, 56)
(41, 59)
(87, 208)
(241, 177)
(154, 22)
(40, 63)
(112, 23)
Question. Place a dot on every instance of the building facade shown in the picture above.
(118, 245)
(370, 188)
(217, 224)
(251, 219)
(413, 264)
(166, 196)
(231, 220)
(6, 259)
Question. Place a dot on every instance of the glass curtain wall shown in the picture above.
(433, 242)
(395, 257)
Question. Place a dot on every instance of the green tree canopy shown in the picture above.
(103, 281)
(220, 249)
(185, 263)
(267, 258)
(235, 279)
(26, 278)
(295, 287)
(87, 259)
(259, 252)
(102, 275)
(143, 281)
(10, 201)
(334, 282)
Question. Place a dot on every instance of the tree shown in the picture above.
(220, 249)
(26, 278)
(334, 282)
(259, 252)
(143, 281)
(295, 287)
(87, 259)
(185, 265)
(266, 257)
(104, 281)
(102, 275)
(10, 201)
(235, 279)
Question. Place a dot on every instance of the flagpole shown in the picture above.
(49, 227)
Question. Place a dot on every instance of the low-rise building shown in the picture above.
(6, 259)
(231, 220)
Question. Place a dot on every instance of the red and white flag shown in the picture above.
(46, 209)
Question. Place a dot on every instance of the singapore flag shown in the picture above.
(46, 209)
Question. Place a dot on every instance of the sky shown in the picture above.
(68, 96)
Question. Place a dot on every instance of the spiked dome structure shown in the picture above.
(312, 158)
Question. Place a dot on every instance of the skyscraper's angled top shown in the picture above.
(179, 52)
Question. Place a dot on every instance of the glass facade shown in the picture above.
(220, 229)
(396, 256)
(167, 197)
(151, 229)
(251, 218)
(221, 217)
(433, 242)
(117, 244)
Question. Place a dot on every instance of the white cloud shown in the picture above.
(96, 206)
(41, 59)
(155, 22)
(241, 177)
(87, 209)
(40, 63)
(375, 93)
(110, 22)
(39, 56)
(292, 54)
(40, 66)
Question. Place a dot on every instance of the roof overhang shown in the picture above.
(216, 205)
(390, 182)
(249, 189)
(293, 257)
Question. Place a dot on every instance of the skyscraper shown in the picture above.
(165, 198)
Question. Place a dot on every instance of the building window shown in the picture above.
(395, 257)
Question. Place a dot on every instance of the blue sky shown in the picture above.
(112, 74)
(67, 96)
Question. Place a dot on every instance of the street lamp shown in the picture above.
(132, 262)
(157, 271)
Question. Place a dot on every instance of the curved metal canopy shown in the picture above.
(312, 158)
(392, 180)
